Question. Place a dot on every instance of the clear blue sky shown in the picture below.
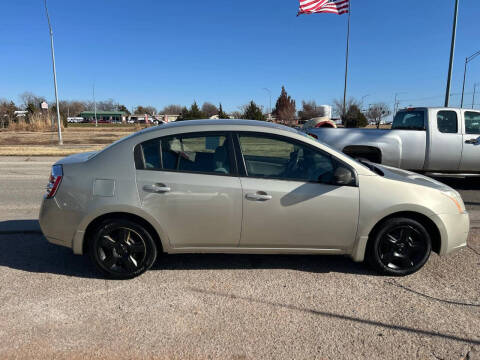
(154, 52)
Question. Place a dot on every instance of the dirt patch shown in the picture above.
(71, 136)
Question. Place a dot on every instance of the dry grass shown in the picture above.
(45, 150)
(71, 136)
(26, 142)
(37, 123)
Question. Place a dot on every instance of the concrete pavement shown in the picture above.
(53, 305)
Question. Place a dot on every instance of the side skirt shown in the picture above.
(243, 250)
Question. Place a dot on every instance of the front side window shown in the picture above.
(273, 158)
(472, 122)
(188, 153)
(409, 120)
(447, 122)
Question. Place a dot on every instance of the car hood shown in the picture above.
(411, 177)
(76, 158)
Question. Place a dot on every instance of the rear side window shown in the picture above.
(202, 154)
(472, 122)
(447, 122)
(151, 154)
(409, 120)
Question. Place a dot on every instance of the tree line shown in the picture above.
(285, 110)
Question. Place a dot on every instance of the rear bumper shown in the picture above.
(454, 229)
(57, 224)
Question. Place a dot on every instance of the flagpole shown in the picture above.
(346, 62)
(452, 51)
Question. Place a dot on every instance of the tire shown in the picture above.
(399, 247)
(122, 249)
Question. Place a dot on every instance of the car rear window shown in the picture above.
(409, 120)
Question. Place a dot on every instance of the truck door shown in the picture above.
(471, 141)
(445, 145)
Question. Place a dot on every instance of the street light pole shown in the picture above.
(270, 94)
(452, 52)
(396, 102)
(467, 60)
(60, 141)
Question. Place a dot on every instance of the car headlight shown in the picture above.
(456, 199)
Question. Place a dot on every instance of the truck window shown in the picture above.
(447, 122)
(472, 122)
(409, 120)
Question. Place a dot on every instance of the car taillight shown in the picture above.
(54, 182)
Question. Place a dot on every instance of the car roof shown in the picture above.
(220, 122)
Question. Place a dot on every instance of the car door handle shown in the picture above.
(258, 196)
(156, 188)
(471, 141)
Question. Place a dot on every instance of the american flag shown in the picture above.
(323, 6)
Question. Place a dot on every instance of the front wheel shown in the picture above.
(122, 249)
(400, 246)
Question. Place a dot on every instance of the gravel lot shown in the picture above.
(53, 305)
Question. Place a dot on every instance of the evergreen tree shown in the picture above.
(193, 114)
(183, 114)
(253, 112)
(354, 118)
(221, 114)
(285, 108)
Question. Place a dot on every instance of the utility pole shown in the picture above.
(467, 60)
(60, 141)
(473, 97)
(95, 106)
(452, 52)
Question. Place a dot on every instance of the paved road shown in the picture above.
(225, 306)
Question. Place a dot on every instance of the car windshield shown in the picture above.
(409, 120)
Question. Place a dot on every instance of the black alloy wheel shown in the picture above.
(122, 249)
(400, 246)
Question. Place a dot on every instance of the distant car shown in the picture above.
(75, 120)
(238, 186)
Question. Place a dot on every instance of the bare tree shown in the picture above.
(150, 110)
(310, 110)
(30, 100)
(209, 110)
(237, 114)
(72, 107)
(106, 105)
(341, 111)
(376, 112)
(172, 109)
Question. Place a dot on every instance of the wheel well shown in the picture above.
(119, 215)
(369, 153)
(430, 226)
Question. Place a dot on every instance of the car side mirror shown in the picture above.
(343, 176)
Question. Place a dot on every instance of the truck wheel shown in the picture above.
(122, 249)
(400, 246)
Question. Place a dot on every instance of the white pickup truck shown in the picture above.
(442, 140)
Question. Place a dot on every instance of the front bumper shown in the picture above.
(454, 229)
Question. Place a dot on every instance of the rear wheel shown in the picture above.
(122, 249)
(400, 246)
